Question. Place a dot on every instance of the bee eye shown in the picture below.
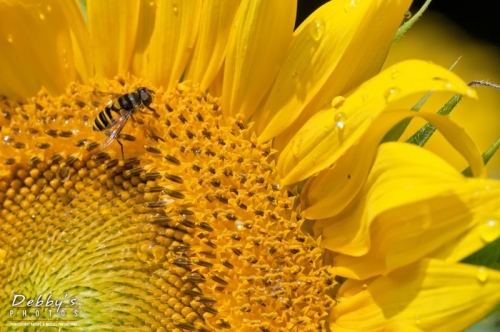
(144, 95)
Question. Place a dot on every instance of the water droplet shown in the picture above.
(340, 119)
(364, 287)
(417, 320)
(489, 230)
(448, 85)
(175, 7)
(49, 9)
(239, 225)
(42, 16)
(317, 29)
(151, 3)
(391, 94)
(469, 92)
(144, 251)
(338, 101)
(408, 15)
(350, 4)
(296, 146)
(482, 274)
(394, 74)
(63, 173)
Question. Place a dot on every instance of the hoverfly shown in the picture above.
(125, 105)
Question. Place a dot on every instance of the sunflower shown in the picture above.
(254, 195)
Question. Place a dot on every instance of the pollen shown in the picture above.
(189, 231)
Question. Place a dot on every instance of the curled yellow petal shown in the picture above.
(216, 21)
(258, 42)
(328, 134)
(113, 28)
(349, 173)
(431, 295)
(413, 204)
(335, 49)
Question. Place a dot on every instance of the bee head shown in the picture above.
(146, 95)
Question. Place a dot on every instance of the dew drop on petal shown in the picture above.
(350, 4)
(469, 92)
(391, 94)
(364, 287)
(448, 85)
(317, 29)
(10, 38)
(394, 74)
(408, 15)
(340, 119)
(338, 101)
(489, 230)
(417, 320)
(482, 274)
(42, 16)
(176, 8)
(49, 8)
(296, 146)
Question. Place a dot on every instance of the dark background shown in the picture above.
(478, 18)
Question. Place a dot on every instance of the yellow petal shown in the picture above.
(349, 173)
(258, 42)
(328, 134)
(431, 296)
(167, 40)
(113, 28)
(80, 38)
(413, 205)
(216, 20)
(339, 46)
(35, 48)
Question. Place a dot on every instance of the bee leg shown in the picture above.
(121, 146)
(150, 108)
(155, 113)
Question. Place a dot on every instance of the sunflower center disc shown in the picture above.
(190, 232)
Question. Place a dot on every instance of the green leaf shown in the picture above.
(488, 256)
(424, 134)
(83, 6)
(488, 324)
(486, 156)
(408, 24)
(395, 133)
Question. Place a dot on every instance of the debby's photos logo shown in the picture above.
(43, 311)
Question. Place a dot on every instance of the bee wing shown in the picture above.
(105, 93)
(96, 97)
(115, 128)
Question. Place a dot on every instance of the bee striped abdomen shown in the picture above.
(105, 117)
